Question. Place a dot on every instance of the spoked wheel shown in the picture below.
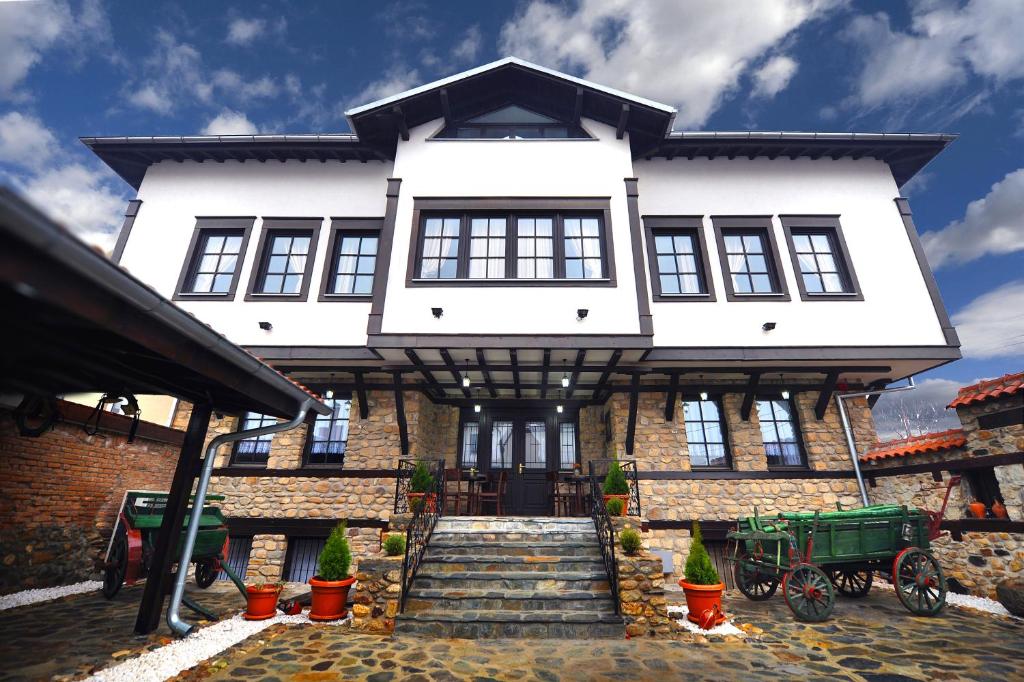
(854, 584)
(919, 581)
(206, 573)
(117, 567)
(808, 593)
(755, 582)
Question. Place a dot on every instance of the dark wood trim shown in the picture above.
(763, 224)
(338, 228)
(829, 224)
(244, 224)
(670, 397)
(511, 204)
(375, 320)
(620, 128)
(749, 394)
(320, 527)
(634, 399)
(300, 353)
(948, 330)
(403, 426)
(952, 465)
(315, 471)
(364, 404)
(581, 356)
(711, 529)
(272, 227)
(427, 374)
(513, 358)
(453, 370)
(636, 233)
(694, 226)
(541, 341)
(825, 396)
(545, 366)
(732, 475)
(74, 413)
(486, 373)
(130, 213)
(957, 527)
(820, 354)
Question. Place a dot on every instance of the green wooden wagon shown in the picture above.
(815, 554)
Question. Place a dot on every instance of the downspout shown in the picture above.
(854, 457)
(178, 626)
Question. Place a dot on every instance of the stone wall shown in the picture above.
(642, 595)
(266, 559)
(981, 560)
(60, 494)
(377, 593)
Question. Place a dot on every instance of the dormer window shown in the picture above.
(512, 122)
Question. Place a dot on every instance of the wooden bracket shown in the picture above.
(453, 370)
(577, 111)
(514, 359)
(670, 401)
(620, 129)
(446, 109)
(485, 372)
(748, 397)
(403, 425)
(826, 394)
(544, 374)
(581, 355)
(364, 406)
(403, 127)
(634, 395)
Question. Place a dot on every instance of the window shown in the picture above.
(780, 434)
(501, 445)
(567, 446)
(328, 436)
(253, 451)
(705, 434)
(349, 271)
(286, 253)
(303, 559)
(749, 258)
(470, 441)
(239, 547)
(512, 122)
(984, 486)
(210, 271)
(477, 247)
(535, 445)
(820, 259)
(678, 258)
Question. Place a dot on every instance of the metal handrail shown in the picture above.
(600, 468)
(421, 527)
(605, 534)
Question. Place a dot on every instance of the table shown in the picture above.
(578, 481)
(473, 479)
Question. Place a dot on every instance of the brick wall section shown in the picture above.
(59, 495)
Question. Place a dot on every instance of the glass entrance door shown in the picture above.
(520, 448)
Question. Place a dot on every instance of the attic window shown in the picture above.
(512, 122)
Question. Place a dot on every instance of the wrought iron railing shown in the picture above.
(421, 526)
(403, 482)
(599, 467)
(605, 533)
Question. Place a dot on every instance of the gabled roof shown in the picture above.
(917, 445)
(992, 389)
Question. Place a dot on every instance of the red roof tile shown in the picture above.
(916, 445)
(1006, 385)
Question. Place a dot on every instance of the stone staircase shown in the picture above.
(501, 577)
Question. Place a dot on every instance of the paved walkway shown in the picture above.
(873, 640)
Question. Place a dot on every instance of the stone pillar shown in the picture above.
(642, 595)
(266, 558)
(377, 593)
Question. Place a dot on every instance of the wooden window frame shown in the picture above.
(728, 225)
(511, 209)
(205, 225)
(829, 225)
(723, 423)
(575, 423)
(340, 228)
(797, 431)
(273, 227)
(234, 449)
(692, 226)
(307, 446)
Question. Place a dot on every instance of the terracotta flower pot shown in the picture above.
(702, 598)
(999, 511)
(977, 509)
(625, 502)
(429, 498)
(261, 602)
(329, 598)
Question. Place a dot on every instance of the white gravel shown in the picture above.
(168, 661)
(726, 628)
(967, 601)
(25, 597)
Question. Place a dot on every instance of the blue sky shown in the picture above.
(116, 68)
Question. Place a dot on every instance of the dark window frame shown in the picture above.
(575, 423)
(828, 224)
(730, 225)
(511, 209)
(234, 449)
(463, 421)
(723, 423)
(984, 485)
(273, 227)
(340, 228)
(450, 131)
(674, 225)
(205, 225)
(307, 445)
(797, 431)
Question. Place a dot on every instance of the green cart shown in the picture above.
(816, 554)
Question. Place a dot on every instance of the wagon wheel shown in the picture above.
(920, 584)
(206, 573)
(854, 584)
(755, 582)
(117, 567)
(808, 593)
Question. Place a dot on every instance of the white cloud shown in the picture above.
(469, 47)
(992, 325)
(943, 46)
(231, 82)
(243, 31)
(395, 80)
(922, 410)
(993, 224)
(27, 29)
(230, 122)
(773, 76)
(25, 141)
(147, 97)
(688, 54)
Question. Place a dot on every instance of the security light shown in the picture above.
(768, 326)
(437, 312)
(266, 326)
(581, 314)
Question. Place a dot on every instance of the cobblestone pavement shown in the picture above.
(870, 640)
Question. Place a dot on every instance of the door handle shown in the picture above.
(521, 468)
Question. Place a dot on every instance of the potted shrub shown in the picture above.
(615, 485)
(702, 586)
(394, 545)
(261, 600)
(421, 488)
(615, 506)
(331, 584)
(631, 541)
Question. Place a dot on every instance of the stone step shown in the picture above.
(511, 625)
(503, 564)
(451, 537)
(507, 600)
(463, 547)
(428, 577)
(493, 524)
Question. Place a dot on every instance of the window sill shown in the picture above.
(188, 296)
(276, 297)
(351, 298)
(773, 297)
(851, 296)
(801, 467)
(507, 282)
(684, 298)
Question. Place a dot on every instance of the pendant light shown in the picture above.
(703, 392)
(476, 401)
(565, 377)
(785, 392)
(558, 407)
(329, 393)
(465, 376)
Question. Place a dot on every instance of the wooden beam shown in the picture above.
(446, 109)
(670, 401)
(577, 110)
(581, 355)
(544, 374)
(453, 370)
(620, 129)
(514, 359)
(634, 396)
(427, 374)
(749, 395)
(602, 382)
(403, 425)
(158, 582)
(364, 406)
(403, 127)
(831, 379)
(485, 372)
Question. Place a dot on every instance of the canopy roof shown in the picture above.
(76, 322)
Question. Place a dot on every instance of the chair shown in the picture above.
(458, 494)
(495, 495)
(560, 501)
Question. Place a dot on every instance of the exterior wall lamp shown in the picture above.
(437, 312)
(266, 326)
(768, 326)
(581, 314)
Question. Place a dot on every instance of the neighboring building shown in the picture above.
(702, 295)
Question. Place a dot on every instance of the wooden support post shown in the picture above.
(403, 127)
(364, 406)
(581, 356)
(670, 401)
(158, 582)
(403, 425)
(514, 359)
(544, 374)
(602, 383)
(826, 395)
(634, 396)
(453, 370)
(748, 397)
